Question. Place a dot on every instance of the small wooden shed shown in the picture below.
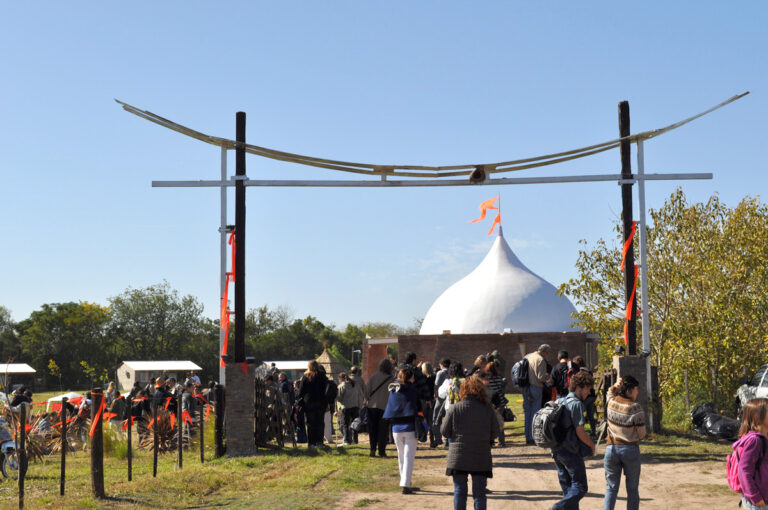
(15, 373)
(132, 371)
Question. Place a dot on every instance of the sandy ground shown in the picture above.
(525, 478)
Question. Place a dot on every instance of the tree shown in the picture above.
(67, 333)
(10, 348)
(154, 323)
(708, 297)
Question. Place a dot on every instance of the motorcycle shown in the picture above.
(9, 458)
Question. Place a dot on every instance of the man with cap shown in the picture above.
(537, 378)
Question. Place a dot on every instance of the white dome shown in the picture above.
(501, 293)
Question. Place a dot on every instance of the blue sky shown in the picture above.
(387, 82)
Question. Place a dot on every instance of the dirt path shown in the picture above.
(525, 478)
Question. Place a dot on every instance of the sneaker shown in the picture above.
(373, 454)
(342, 445)
(409, 490)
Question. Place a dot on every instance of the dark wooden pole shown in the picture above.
(202, 434)
(179, 433)
(218, 431)
(97, 444)
(240, 239)
(63, 418)
(129, 452)
(154, 438)
(626, 215)
(22, 451)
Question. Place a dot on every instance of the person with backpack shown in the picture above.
(626, 427)
(402, 408)
(573, 443)
(747, 473)
(532, 392)
(449, 390)
(471, 425)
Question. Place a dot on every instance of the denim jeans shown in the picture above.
(748, 505)
(618, 457)
(460, 491)
(531, 404)
(572, 475)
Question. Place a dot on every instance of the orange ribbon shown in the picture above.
(151, 422)
(484, 206)
(167, 401)
(97, 417)
(109, 416)
(627, 244)
(201, 399)
(125, 423)
(140, 399)
(69, 420)
(207, 412)
(186, 418)
(173, 421)
(244, 367)
(27, 428)
(628, 310)
(496, 221)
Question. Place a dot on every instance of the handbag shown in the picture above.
(507, 414)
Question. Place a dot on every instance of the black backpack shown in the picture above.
(519, 375)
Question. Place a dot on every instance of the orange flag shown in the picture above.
(496, 221)
(488, 204)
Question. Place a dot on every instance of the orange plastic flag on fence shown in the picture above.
(628, 311)
(186, 418)
(488, 204)
(167, 401)
(125, 423)
(207, 411)
(173, 421)
(96, 418)
(151, 422)
(109, 416)
(496, 221)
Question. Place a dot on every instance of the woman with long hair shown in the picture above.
(378, 396)
(496, 387)
(626, 427)
(402, 407)
(471, 425)
(313, 401)
(751, 450)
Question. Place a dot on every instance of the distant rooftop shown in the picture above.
(170, 366)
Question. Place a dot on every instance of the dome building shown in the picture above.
(499, 306)
(500, 295)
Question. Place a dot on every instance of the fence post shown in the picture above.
(129, 452)
(179, 432)
(202, 434)
(218, 430)
(64, 442)
(22, 450)
(154, 438)
(97, 443)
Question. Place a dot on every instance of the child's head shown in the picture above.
(754, 415)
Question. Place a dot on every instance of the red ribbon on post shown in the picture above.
(98, 415)
(627, 243)
(628, 310)
(186, 418)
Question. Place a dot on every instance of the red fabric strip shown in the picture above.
(484, 206)
(96, 419)
(496, 221)
(627, 244)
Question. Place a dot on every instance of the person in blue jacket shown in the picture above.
(402, 409)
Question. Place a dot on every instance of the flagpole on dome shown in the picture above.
(500, 234)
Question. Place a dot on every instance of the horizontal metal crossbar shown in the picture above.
(431, 182)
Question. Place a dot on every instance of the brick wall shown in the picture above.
(465, 348)
(238, 411)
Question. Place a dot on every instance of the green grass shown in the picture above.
(278, 479)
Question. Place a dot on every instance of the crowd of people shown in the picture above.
(464, 410)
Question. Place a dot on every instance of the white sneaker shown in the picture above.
(342, 444)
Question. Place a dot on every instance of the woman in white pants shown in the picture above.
(402, 408)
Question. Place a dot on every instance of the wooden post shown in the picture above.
(179, 433)
(240, 238)
(129, 451)
(63, 418)
(218, 431)
(202, 434)
(97, 444)
(626, 215)
(22, 450)
(154, 438)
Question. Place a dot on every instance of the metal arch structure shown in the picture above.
(434, 176)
